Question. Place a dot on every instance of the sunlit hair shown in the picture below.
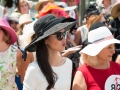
(47, 9)
(20, 3)
(20, 30)
(6, 36)
(92, 19)
(89, 60)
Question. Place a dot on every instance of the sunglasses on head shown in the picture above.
(60, 35)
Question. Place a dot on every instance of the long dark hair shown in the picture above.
(8, 3)
(42, 60)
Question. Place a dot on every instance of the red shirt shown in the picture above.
(96, 78)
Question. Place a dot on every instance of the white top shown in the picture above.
(35, 80)
(84, 32)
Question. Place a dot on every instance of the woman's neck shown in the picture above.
(101, 65)
(55, 58)
(3, 46)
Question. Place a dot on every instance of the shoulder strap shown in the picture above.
(72, 76)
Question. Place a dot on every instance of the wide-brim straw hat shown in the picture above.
(4, 24)
(25, 18)
(46, 26)
(114, 11)
(98, 39)
(41, 2)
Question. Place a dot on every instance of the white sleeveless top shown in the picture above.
(35, 80)
(84, 32)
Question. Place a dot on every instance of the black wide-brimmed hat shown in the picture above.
(69, 19)
(46, 26)
(91, 10)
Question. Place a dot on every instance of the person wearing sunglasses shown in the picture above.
(50, 68)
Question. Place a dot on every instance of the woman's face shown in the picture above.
(13, 25)
(57, 41)
(24, 8)
(107, 3)
(106, 53)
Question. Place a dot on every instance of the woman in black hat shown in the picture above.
(92, 15)
(49, 69)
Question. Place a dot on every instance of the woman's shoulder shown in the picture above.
(33, 66)
(82, 68)
(114, 64)
(82, 27)
(68, 60)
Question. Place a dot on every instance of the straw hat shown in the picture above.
(114, 11)
(41, 2)
(4, 24)
(24, 19)
(98, 38)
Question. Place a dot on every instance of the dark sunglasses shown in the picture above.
(60, 35)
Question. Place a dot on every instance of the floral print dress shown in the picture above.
(8, 69)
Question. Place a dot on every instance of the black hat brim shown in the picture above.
(66, 26)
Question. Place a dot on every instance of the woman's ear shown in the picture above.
(46, 42)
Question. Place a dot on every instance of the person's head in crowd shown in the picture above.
(69, 19)
(92, 15)
(8, 3)
(41, 3)
(106, 3)
(13, 21)
(24, 19)
(24, 6)
(39, 6)
(115, 11)
(52, 8)
(69, 9)
(7, 34)
(99, 40)
(50, 38)
(28, 33)
(95, 26)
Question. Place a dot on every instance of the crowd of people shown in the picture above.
(52, 51)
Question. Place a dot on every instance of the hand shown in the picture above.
(73, 49)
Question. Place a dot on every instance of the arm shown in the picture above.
(71, 50)
(18, 64)
(31, 77)
(79, 82)
(77, 37)
(25, 64)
